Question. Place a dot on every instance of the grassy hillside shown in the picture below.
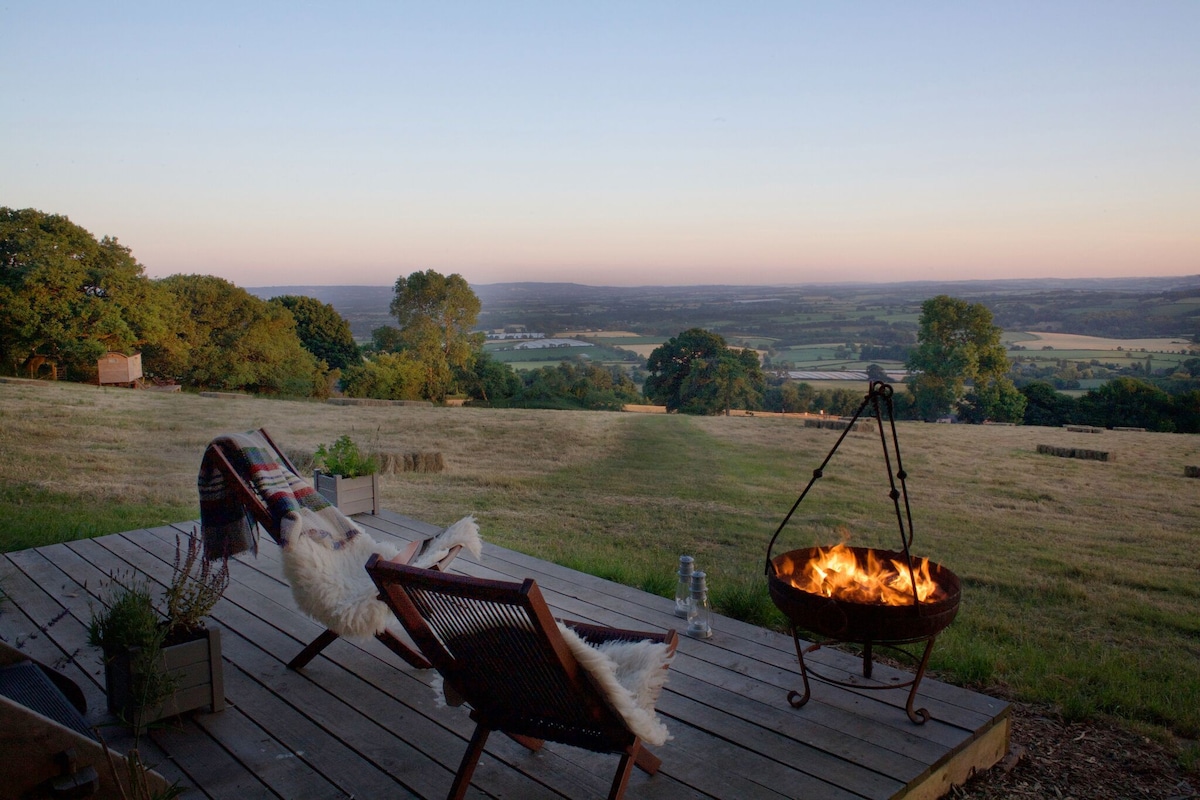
(1079, 577)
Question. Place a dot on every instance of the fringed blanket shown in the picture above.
(228, 528)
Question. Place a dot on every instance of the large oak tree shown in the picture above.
(697, 373)
(436, 314)
(957, 345)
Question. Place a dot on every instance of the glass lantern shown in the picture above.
(699, 614)
(683, 586)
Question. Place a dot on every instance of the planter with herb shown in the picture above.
(160, 663)
(346, 477)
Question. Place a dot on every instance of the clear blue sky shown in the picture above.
(612, 143)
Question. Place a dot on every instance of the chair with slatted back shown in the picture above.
(235, 494)
(498, 649)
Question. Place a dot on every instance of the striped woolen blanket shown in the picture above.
(227, 527)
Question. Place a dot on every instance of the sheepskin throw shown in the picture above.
(631, 674)
(327, 576)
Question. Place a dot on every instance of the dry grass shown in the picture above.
(118, 445)
(1079, 577)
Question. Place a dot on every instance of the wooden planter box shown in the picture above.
(199, 681)
(350, 495)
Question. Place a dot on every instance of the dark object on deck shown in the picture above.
(869, 624)
(498, 648)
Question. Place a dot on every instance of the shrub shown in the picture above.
(344, 458)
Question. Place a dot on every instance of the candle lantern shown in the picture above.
(683, 586)
(699, 614)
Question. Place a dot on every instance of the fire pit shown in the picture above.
(863, 595)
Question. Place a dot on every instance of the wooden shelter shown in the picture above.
(119, 369)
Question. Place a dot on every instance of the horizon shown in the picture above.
(796, 285)
(624, 145)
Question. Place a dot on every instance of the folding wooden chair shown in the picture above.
(253, 502)
(499, 649)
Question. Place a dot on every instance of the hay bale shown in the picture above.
(1083, 429)
(864, 426)
(412, 461)
(1139, 430)
(302, 460)
(226, 395)
(1191, 472)
(370, 401)
(1075, 452)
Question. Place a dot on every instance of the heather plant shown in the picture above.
(196, 586)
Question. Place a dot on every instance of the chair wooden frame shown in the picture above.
(498, 649)
(256, 505)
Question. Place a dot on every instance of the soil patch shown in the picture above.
(1051, 758)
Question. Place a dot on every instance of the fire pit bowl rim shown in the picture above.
(849, 620)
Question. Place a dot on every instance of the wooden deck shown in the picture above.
(358, 722)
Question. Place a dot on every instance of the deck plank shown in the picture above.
(357, 721)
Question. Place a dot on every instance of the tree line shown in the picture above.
(67, 298)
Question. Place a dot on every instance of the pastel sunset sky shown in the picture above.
(613, 143)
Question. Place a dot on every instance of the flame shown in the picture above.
(837, 572)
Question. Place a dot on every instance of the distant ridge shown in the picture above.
(563, 305)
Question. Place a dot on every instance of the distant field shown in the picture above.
(1070, 341)
(537, 357)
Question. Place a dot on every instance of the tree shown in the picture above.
(234, 340)
(385, 376)
(322, 330)
(576, 384)
(436, 314)
(956, 344)
(66, 298)
(696, 373)
(1128, 402)
(486, 380)
(386, 339)
(1044, 405)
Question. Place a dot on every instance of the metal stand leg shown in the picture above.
(920, 716)
(793, 695)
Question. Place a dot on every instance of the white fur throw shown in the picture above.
(631, 674)
(329, 583)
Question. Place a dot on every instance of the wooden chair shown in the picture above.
(256, 505)
(498, 649)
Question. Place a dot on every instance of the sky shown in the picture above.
(612, 143)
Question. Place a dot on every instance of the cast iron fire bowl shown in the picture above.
(852, 621)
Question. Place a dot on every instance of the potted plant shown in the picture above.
(346, 477)
(161, 663)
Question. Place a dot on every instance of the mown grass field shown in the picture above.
(1080, 577)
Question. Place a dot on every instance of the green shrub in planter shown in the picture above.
(344, 458)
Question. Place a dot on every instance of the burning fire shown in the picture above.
(837, 572)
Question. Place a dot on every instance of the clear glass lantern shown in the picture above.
(683, 586)
(699, 613)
